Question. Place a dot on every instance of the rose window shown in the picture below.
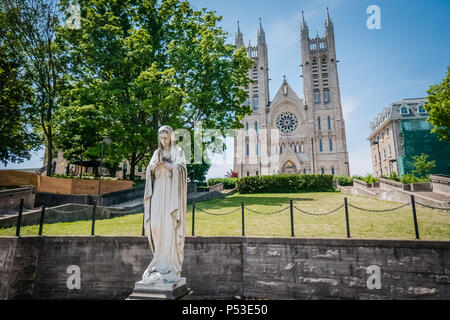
(287, 122)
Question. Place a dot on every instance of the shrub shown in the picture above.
(285, 183)
(422, 166)
(228, 183)
(394, 177)
(410, 178)
(370, 179)
(343, 180)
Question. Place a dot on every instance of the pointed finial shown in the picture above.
(317, 34)
(284, 78)
(328, 18)
(303, 20)
(239, 36)
(261, 29)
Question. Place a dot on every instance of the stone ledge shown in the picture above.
(391, 243)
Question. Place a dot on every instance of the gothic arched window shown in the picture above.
(316, 96)
(326, 96)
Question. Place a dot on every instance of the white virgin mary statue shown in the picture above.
(165, 209)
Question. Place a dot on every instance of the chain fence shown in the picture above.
(93, 212)
(275, 212)
(217, 214)
(379, 210)
(432, 207)
(319, 214)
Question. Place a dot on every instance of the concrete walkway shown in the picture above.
(425, 197)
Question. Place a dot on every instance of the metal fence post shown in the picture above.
(143, 223)
(19, 218)
(243, 219)
(93, 218)
(416, 226)
(193, 218)
(292, 218)
(41, 221)
(346, 218)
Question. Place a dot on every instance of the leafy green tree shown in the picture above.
(16, 140)
(29, 28)
(422, 166)
(438, 107)
(152, 63)
(197, 172)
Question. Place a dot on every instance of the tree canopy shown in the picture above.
(438, 107)
(138, 65)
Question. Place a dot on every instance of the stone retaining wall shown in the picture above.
(10, 198)
(108, 199)
(440, 184)
(221, 267)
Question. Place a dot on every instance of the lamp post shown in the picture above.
(104, 141)
(376, 143)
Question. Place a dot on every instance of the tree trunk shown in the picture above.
(49, 151)
(133, 162)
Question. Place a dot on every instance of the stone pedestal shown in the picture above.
(166, 291)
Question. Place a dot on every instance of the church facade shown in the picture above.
(290, 135)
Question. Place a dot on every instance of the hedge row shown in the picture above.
(228, 183)
(344, 180)
(285, 183)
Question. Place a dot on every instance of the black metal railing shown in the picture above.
(291, 207)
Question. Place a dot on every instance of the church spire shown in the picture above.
(328, 23)
(261, 33)
(239, 37)
(304, 25)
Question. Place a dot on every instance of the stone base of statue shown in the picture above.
(162, 291)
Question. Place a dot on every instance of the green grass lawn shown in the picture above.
(398, 224)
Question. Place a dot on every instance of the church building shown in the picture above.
(289, 135)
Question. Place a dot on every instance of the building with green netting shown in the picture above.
(402, 131)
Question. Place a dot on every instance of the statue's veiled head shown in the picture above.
(166, 137)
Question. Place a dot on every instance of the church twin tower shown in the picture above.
(289, 134)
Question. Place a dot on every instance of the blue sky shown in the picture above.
(376, 68)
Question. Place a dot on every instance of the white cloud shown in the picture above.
(349, 103)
